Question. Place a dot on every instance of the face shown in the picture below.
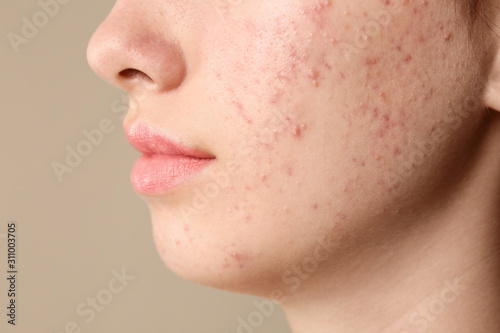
(331, 123)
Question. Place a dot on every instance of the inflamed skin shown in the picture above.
(347, 153)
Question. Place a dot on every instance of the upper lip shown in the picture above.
(149, 142)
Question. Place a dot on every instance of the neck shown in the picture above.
(441, 277)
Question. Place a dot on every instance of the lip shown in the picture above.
(165, 164)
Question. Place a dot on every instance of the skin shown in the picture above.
(356, 171)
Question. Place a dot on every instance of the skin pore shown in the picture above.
(356, 172)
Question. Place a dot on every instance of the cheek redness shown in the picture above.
(264, 59)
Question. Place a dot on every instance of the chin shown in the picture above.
(207, 261)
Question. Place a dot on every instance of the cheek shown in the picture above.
(319, 93)
(255, 66)
(362, 77)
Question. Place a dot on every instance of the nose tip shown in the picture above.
(131, 56)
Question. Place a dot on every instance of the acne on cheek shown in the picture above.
(270, 56)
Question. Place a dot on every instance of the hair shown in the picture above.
(471, 9)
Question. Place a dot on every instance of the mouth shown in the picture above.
(165, 164)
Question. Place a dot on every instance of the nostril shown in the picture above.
(134, 74)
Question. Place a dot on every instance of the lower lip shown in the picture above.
(156, 174)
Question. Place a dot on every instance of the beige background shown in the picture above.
(73, 234)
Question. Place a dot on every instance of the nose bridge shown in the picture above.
(129, 51)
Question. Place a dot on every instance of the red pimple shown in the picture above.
(397, 151)
(241, 111)
(372, 61)
(297, 131)
(315, 206)
(240, 258)
(341, 216)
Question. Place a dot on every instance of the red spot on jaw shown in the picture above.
(241, 259)
(315, 206)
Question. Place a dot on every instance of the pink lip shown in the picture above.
(164, 164)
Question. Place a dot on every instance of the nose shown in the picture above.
(128, 51)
